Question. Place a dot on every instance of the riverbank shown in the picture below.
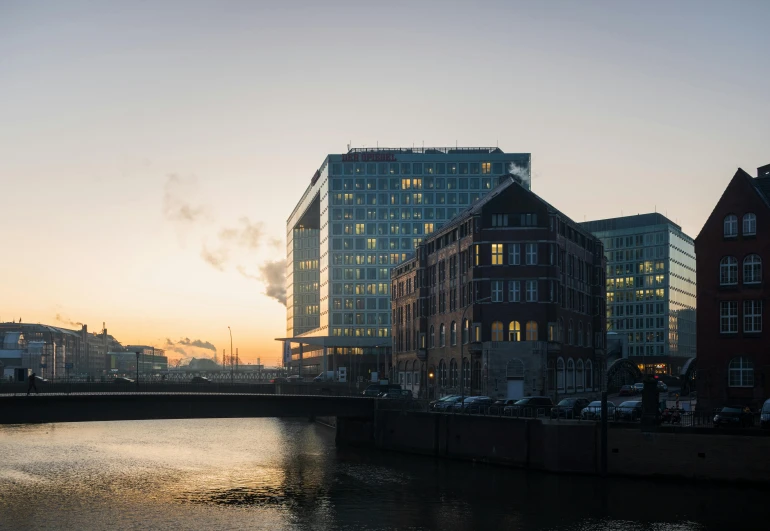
(572, 447)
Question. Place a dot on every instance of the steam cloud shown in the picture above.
(66, 320)
(519, 171)
(247, 236)
(176, 206)
(184, 345)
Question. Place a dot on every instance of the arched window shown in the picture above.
(570, 376)
(752, 269)
(531, 331)
(467, 373)
(514, 331)
(589, 375)
(589, 336)
(728, 271)
(466, 331)
(731, 226)
(580, 333)
(497, 331)
(453, 334)
(579, 376)
(453, 373)
(416, 372)
(741, 372)
(442, 377)
(560, 374)
(570, 333)
(432, 337)
(441, 335)
(749, 224)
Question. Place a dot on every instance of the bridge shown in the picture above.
(108, 406)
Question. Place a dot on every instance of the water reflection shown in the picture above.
(276, 474)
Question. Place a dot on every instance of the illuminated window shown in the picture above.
(497, 254)
(360, 228)
(478, 253)
(406, 184)
(514, 331)
(428, 228)
(486, 167)
(453, 334)
(442, 335)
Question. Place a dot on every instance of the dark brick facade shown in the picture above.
(722, 341)
(529, 266)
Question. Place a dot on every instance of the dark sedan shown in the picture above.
(443, 403)
(569, 408)
(593, 411)
(474, 404)
(530, 406)
(626, 390)
(630, 410)
(734, 416)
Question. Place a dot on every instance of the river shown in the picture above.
(278, 474)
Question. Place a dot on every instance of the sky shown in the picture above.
(151, 151)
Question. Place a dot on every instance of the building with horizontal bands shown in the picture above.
(505, 300)
(364, 212)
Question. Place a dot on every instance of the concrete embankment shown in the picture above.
(565, 446)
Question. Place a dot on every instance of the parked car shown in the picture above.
(446, 403)
(279, 379)
(593, 411)
(638, 388)
(398, 394)
(734, 416)
(474, 404)
(122, 380)
(662, 386)
(294, 378)
(764, 415)
(200, 380)
(437, 405)
(569, 408)
(377, 389)
(629, 410)
(626, 390)
(530, 406)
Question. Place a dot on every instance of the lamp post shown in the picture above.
(232, 374)
(462, 364)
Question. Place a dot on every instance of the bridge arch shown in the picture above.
(622, 372)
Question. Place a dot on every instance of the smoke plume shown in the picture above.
(217, 258)
(66, 320)
(186, 347)
(273, 274)
(176, 203)
(519, 171)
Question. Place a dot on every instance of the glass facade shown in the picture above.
(650, 285)
(364, 213)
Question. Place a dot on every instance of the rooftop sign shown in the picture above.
(369, 157)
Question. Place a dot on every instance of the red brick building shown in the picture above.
(506, 300)
(732, 252)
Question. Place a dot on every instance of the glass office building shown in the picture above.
(363, 213)
(650, 289)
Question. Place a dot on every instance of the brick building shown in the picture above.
(506, 300)
(732, 251)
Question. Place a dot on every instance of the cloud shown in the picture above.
(217, 258)
(66, 320)
(188, 347)
(277, 243)
(176, 204)
(273, 274)
(197, 343)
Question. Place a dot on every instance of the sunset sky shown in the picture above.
(151, 152)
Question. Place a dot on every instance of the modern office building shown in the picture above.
(363, 212)
(506, 300)
(650, 289)
(733, 364)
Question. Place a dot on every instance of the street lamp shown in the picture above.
(462, 358)
(232, 374)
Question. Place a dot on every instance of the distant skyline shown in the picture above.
(151, 152)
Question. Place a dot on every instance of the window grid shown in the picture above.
(728, 320)
(752, 316)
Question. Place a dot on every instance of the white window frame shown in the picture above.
(514, 291)
(752, 316)
(531, 254)
(728, 271)
(514, 254)
(740, 372)
(752, 269)
(749, 224)
(531, 290)
(497, 291)
(728, 317)
(730, 226)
